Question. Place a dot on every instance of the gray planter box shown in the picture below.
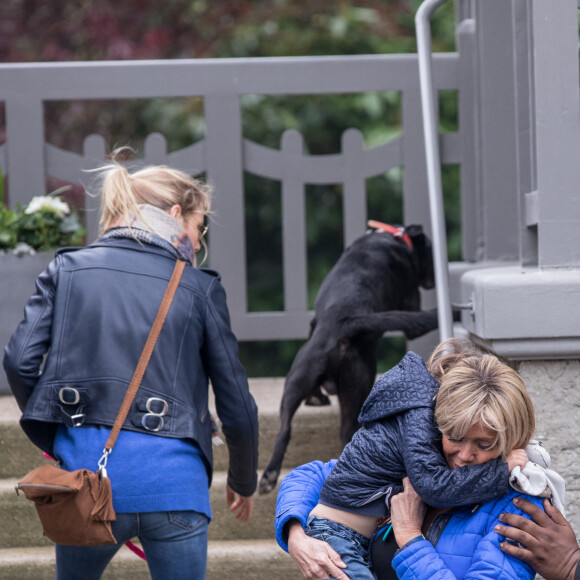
(17, 276)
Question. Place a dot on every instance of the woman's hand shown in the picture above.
(240, 504)
(315, 559)
(407, 514)
(549, 543)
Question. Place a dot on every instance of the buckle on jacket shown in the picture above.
(78, 419)
(69, 396)
(75, 420)
(152, 406)
(156, 420)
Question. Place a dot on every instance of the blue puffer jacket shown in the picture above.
(460, 545)
(400, 437)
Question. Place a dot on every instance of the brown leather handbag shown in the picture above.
(76, 507)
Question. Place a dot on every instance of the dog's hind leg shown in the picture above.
(303, 378)
(412, 323)
(293, 396)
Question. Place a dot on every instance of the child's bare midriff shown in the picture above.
(365, 525)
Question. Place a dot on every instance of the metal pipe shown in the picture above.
(430, 131)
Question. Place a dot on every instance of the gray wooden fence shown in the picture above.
(224, 155)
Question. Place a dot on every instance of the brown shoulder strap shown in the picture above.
(146, 354)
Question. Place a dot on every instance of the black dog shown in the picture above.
(372, 289)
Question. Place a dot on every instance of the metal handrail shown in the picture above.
(428, 103)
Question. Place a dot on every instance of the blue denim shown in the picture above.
(352, 546)
(175, 544)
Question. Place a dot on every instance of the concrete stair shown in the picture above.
(236, 550)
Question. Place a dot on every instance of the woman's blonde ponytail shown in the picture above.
(118, 202)
(158, 185)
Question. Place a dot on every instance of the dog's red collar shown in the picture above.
(398, 233)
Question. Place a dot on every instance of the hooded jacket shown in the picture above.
(398, 438)
(91, 315)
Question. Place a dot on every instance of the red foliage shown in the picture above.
(59, 30)
(36, 30)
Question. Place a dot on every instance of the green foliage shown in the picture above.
(44, 230)
(45, 224)
(264, 231)
(8, 222)
(269, 358)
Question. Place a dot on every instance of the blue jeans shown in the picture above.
(175, 544)
(352, 546)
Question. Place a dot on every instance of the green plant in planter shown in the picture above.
(8, 223)
(45, 224)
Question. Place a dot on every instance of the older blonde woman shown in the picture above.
(483, 413)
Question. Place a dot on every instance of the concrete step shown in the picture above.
(315, 430)
(17, 454)
(242, 560)
(24, 529)
(315, 433)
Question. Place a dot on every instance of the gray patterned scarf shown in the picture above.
(158, 228)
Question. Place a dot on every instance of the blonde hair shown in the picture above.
(158, 185)
(476, 387)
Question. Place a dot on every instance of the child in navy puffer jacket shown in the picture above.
(404, 418)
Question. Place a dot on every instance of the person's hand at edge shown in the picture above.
(549, 544)
(240, 504)
(407, 514)
(315, 559)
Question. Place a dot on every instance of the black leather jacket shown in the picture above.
(92, 313)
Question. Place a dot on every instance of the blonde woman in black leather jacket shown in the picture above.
(90, 316)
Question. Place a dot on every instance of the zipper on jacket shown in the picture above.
(437, 526)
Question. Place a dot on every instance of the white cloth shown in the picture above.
(536, 478)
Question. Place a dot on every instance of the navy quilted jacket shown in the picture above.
(399, 437)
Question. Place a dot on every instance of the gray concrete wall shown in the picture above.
(553, 386)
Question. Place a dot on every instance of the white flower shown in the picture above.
(23, 249)
(47, 203)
